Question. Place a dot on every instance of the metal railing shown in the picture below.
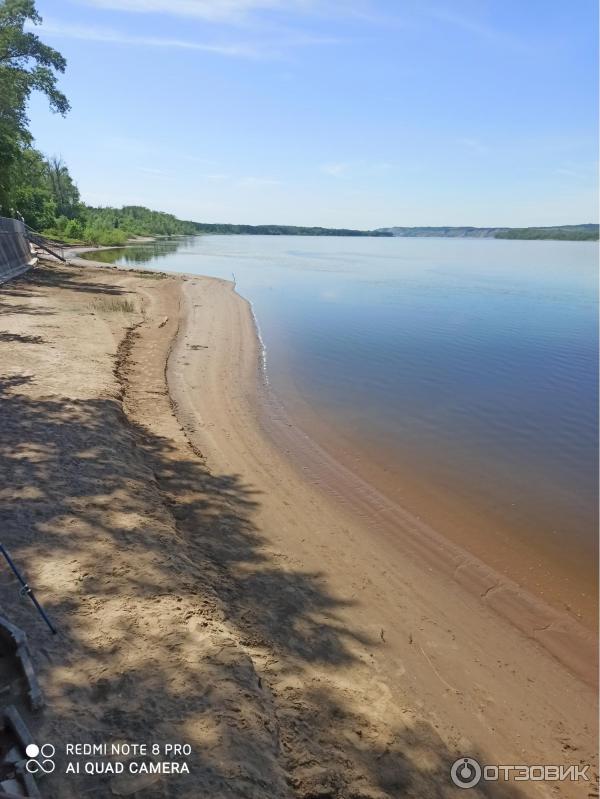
(55, 248)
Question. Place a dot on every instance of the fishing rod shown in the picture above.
(26, 589)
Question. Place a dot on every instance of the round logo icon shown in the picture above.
(46, 751)
(465, 772)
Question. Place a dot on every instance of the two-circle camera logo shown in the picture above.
(465, 772)
(40, 758)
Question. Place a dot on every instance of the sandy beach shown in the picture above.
(219, 580)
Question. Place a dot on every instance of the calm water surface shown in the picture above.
(468, 363)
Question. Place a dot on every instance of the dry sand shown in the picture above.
(304, 638)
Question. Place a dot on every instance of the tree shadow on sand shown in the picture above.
(47, 276)
(155, 574)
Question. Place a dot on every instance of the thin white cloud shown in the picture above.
(152, 171)
(242, 11)
(356, 169)
(258, 181)
(109, 36)
(336, 170)
(382, 166)
(241, 182)
(213, 10)
(479, 28)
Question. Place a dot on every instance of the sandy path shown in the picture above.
(407, 636)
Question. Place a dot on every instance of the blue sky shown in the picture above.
(358, 113)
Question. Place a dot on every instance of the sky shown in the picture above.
(346, 113)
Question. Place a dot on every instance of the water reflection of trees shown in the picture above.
(140, 253)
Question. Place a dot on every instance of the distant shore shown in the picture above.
(584, 232)
(587, 232)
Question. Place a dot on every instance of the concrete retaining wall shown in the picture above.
(15, 253)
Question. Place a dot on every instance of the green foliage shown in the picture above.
(42, 191)
(80, 231)
(105, 237)
(64, 190)
(137, 221)
(112, 227)
(74, 229)
(561, 233)
(281, 230)
(32, 195)
(26, 65)
(36, 206)
(24, 59)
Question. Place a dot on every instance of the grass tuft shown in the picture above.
(114, 305)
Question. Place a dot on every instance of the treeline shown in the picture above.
(561, 233)
(587, 232)
(281, 230)
(116, 225)
(444, 232)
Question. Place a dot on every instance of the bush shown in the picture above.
(105, 237)
(36, 206)
(74, 229)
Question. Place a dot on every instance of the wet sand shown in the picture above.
(558, 573)
(403, 580)
(304, 634)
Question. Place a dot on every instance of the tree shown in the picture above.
(32, 194)
(26, 65)
(64, 190)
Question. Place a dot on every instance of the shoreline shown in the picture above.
(565, 638)
(519, 546)
(509, 547)
(237, 439)
(235, 605)
(219, 400)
